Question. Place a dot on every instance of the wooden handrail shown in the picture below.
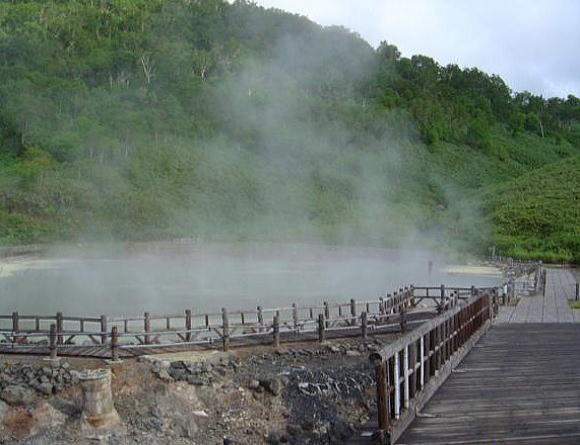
(410, 369)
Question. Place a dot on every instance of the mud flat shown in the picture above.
(474, 271)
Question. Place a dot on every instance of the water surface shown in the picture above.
(168, 278)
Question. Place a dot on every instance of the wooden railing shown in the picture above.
(60, 332)
(410, 370)
(530, 276)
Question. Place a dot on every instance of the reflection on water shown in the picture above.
(171, 278)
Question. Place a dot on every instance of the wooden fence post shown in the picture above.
(276, 331)
(52, 342)
(188, 325)
(295, 316)
(544, 279)
(439, 348)
(577, 293)
(147, 327)
(353, 311)
(260, 318)
(511, 290)
(423, 357)
(225, 329)
(59, 328)
(442, 304)
(403, 320)
(103, 329)
(413, 369)
(321, 328)
(406, 378)
(327, 313)
(15, 322)
(114, 343)
(383, 403)
(363, 325)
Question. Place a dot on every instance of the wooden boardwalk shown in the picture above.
(551, 308)
(520, 383)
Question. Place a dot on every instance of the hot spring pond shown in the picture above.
(169, 278)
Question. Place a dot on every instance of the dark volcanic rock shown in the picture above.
(17, 395)
(45, 388)
(273, 385)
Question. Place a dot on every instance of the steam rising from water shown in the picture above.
(292, 159)
(173, 277)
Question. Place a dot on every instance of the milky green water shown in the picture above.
(171, 278)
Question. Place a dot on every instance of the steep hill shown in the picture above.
(148, 119)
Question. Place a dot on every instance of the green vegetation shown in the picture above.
(574, 304)
(538, 214)
(151, 119)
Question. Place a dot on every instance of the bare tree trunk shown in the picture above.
(147, 67)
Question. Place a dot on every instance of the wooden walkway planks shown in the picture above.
(551, 308)
(520, 384)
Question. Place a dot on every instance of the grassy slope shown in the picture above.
(538, 214)
(430, 187)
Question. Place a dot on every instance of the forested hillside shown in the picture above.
(538, 214)
(148, 119)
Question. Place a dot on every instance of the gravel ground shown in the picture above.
(302, 394)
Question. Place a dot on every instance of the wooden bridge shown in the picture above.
(476, 375)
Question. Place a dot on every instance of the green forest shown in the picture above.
(160, 119)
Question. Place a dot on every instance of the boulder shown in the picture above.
(184, 426)
(179, 364)
(46, 416)
(17, 395)
(294, 430)
(3, 409)
(273, 385)
(254, 384)
(178, 373)
(45, 388)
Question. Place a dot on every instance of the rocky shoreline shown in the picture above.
(303, 394)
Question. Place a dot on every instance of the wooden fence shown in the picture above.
(60, 334)
(521, 276)
(409, 371)
(111, 336)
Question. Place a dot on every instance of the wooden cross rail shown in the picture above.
(409, 370)
(152, 332)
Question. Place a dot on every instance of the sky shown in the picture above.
(532, 44)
